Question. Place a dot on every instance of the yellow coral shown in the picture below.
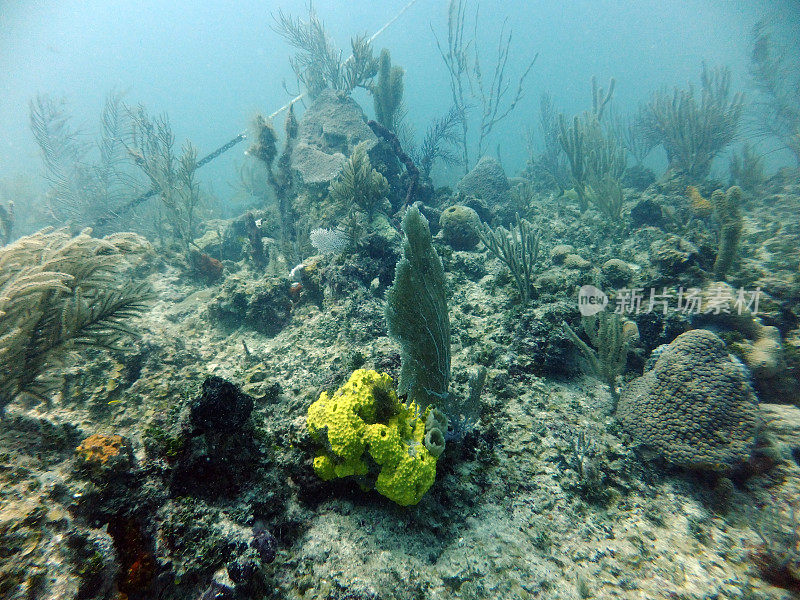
(365, 416)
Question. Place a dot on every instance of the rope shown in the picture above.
(242, 136)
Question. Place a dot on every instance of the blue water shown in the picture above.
(212, 65)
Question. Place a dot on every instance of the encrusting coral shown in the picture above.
(701, 207)
(58, 292)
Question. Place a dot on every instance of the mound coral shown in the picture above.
(460, 227)
(695, 406)
(364, 422)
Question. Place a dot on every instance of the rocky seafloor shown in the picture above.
(132, 481)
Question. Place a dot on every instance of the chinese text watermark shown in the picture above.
(689, 301)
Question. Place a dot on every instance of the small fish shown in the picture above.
(115, 401)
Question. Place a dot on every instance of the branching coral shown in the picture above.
(776, 77)
(596, 159)
(605, 193)
(468, 85)
(58, 293)
(280, 180)
(694, 130)
(631, 133)
(601, 97)
(151, 148)
(726, 208)
(82, 188)
(318, 64)
(6, 223)
(747, 169)
(551, 164)
(518, 249)
(440, 137)
(606, 360)
(359, 186)
(387, 92)
(777, 557)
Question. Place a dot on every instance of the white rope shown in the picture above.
(397, 16)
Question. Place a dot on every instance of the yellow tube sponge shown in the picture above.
(365, 418)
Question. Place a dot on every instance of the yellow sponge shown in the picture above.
(365, 417)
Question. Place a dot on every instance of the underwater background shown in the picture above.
(412, 299)
(213, 66)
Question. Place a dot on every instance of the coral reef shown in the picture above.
(701, 207)
(747, 169)
(617, 272)
(235, 451)
(647, 213)
(329, 241)
(205, 267)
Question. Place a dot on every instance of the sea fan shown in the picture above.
(329, 241)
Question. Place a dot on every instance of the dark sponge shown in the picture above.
(695, 407)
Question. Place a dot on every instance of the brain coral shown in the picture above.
(695, 406)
